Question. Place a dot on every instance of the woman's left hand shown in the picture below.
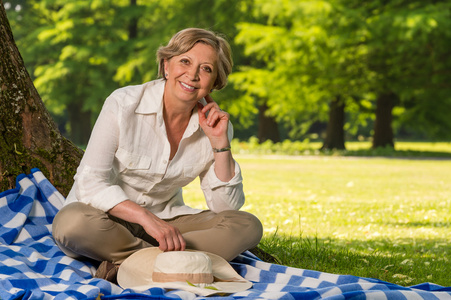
(214, 125)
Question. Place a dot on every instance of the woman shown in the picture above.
(148, 142)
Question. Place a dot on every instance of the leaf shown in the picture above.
(99, 296)
(189, 283)
(207, 287)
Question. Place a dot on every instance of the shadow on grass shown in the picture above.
(405, 262)
(426, 224)
(391, 153)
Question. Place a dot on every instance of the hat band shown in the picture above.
(192, 278)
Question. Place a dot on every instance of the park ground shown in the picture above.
(385, 217)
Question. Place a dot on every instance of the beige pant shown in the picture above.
(83, 231)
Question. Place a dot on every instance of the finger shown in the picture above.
(179, 242)
(202, 116)
(163, 245)
(170, 242)
(182, 243)
(176, 243)
(207, 112)
(209, 106)
(213, 117)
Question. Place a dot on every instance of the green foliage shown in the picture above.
(304, 61)
(356, 149)
(287, 147)
(309, 52)
(294, 56)
(72, 51)
(408, 44)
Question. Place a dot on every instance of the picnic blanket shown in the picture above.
(33, 267)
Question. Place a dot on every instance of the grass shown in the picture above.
(385, 218)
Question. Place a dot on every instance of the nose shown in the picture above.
(193, 73)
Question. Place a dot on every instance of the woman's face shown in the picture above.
(191, 75)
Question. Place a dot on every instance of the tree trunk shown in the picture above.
(267, 126)
(29, 138)
(383, 132)
(133, 26)
(335, 137)
(80, 123)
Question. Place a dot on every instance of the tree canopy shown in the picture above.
(314, 51)
(381, 67)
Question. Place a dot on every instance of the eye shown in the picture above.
(207, 69)
(184, 61)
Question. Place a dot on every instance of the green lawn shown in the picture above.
(373, 217)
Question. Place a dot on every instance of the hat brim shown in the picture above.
(136, 273)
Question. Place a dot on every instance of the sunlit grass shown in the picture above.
(306, 148)
(373, 217)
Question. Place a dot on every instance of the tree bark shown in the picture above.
(335, 136)
(267, 126)
(29, 138)
(383, 132)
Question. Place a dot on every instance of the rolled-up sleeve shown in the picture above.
(94, 188)
(93, 183)
(222, 195)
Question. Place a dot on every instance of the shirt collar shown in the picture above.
(152, 99)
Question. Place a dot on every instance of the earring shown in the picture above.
(166, 75)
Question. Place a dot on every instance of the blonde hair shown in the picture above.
(185, 39)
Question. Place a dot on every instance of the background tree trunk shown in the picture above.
(133, 26)
(80, 123)
(29, 138)
(335, 136)
(267, 126)
(383, 132)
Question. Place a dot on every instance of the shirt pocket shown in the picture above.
(135, 169)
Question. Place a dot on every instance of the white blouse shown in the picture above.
(127, 157)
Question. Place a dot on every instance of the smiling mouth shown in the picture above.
(187, 87)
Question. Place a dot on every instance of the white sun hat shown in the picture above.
(198, 272)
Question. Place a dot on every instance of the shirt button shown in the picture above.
(165, 161)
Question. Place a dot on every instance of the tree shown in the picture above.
(73, 51)
(408, 46)
(335, 127)
(29, 137)
(388, 56)
(308, 69)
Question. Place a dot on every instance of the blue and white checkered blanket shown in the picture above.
(33, 267)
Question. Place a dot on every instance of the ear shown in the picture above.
(165, 64)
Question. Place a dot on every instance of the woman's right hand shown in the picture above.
(168, 237)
